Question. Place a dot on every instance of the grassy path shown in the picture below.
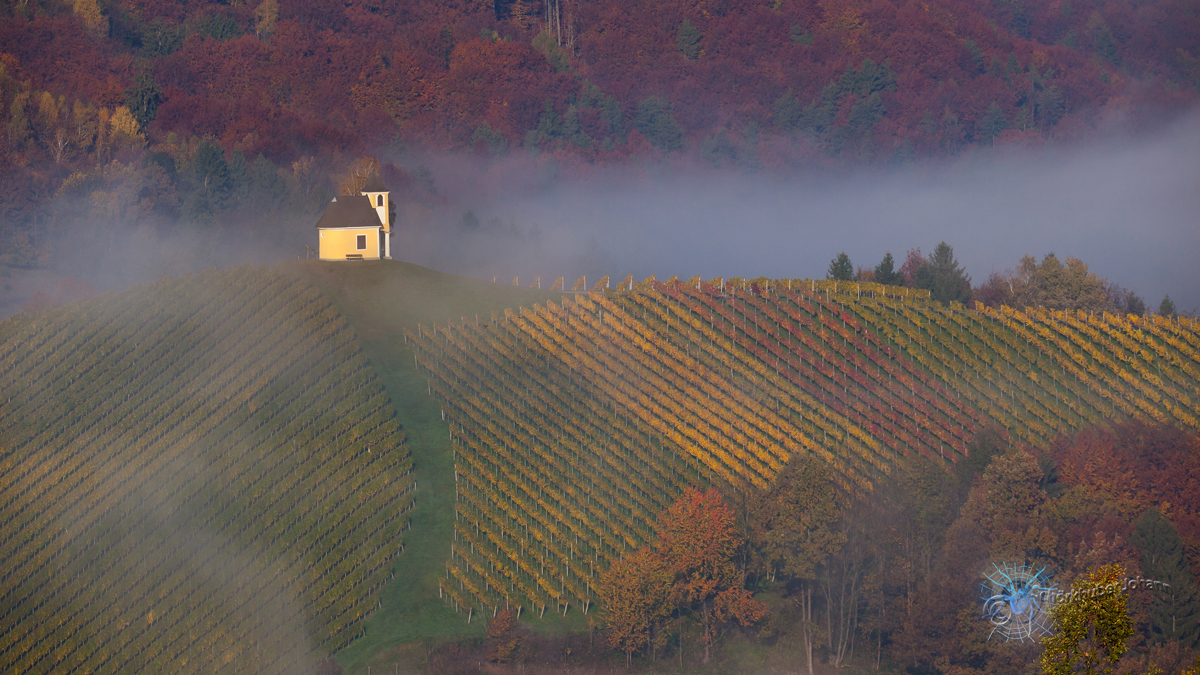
(382, 300)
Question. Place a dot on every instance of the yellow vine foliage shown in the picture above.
(574, 425)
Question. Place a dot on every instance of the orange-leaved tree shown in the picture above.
(699, 541)
(691, 568)
(504, 637)
(636, 595)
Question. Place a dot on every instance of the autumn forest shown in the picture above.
(198, 112)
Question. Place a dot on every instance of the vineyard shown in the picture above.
(198, 474)
(574, 425)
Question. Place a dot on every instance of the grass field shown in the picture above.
(383, 300)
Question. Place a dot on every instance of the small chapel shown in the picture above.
(357, 227)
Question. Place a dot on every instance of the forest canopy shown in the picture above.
(900, 568)
(127, 98)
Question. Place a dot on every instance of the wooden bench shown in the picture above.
(354, 256)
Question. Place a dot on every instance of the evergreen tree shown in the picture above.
(239, 175)
(1051, 105)
(840, 268)
(1020, 19)
(446, 40)
(142, 98)
(610, 112)
(1175, 608)
(787, 111)
(1102, 38)
(549, 127)
(1133, 303)
(162, 37)
(864, 114)
(976, 53)
(799, 36)
(488, 138)
(886, 273)
(993, 123)
(218, 27)
(572, 130)
(210, 178)
(268, 190)
(658, 125)
(210, 169)
(1167, 306)
(687, 40)
(942, 276)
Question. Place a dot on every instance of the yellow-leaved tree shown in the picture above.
(794, 530)
(265, 16)
(93, 18)
(125, 129)
(356, 176)
(1091, 625)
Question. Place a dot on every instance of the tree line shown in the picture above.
(1053, 284)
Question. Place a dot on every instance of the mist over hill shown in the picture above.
(1126, 207)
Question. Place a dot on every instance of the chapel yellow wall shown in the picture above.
(335, 244)
(381, 211)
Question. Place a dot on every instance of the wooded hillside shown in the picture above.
(178, 109)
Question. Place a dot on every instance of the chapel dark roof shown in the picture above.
(374, 184)
(349, 211)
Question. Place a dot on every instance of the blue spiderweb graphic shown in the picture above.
(1017, 600)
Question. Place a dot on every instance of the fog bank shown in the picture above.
(1130, 208)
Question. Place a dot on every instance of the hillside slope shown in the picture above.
(574, 425)
(383, 300)
(196, 474)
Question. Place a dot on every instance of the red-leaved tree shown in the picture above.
(692, 568)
